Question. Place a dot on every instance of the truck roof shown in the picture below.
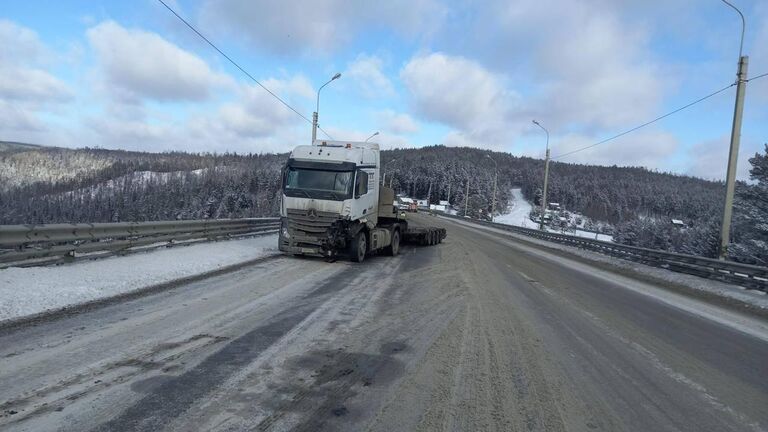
(366, 154)
(348, 144)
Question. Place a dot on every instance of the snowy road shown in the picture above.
(482, 332)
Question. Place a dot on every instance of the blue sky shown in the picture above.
(129, 75)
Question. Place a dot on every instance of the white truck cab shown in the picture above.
(339, 177)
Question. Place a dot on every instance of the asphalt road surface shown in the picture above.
(482, 332)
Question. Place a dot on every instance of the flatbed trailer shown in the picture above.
(424, 236)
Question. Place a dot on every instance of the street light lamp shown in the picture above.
(317, 108)
(733, 155)
(374, 134)
(546, 177)
(495, 180)
(384, 177)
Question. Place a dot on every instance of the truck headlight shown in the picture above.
(284, 229)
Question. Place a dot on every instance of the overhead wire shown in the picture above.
(646, 123)
(757, 77)
(238, 66)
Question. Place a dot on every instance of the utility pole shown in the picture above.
(449, 193)
(544, 195)
(733, 155)
(730, 177)
(314, 122)
(546, 178)
(493, 204)
(466, 199)
(495, 180)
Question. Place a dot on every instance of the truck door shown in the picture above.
(365, 196)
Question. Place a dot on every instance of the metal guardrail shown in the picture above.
(27, 245)
(746, 275)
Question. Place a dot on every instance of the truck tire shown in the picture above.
(394, 248)
(358, 247)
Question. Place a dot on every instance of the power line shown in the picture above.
(237, 65)
(647, 123)
(757, 77)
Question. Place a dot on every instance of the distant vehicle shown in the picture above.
(404, 203)
(333, 202)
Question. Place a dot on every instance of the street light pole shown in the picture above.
(733, 155)
(317, 108)
(374, 134)
(495, 180)
(546, 178)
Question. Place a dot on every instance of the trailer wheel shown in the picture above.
(394, 248)
(358, 247)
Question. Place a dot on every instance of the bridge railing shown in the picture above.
(26, 245)
(746, 275)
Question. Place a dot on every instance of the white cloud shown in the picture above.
(139, 64)
(27, 90)
(20, 44)
(33, 85)
(253, 122)
(367, 74)
(398, 123)
(456, 91)
(13, 119)
(318, 25)
(257, 114)
(648, 148)
(709, 159)
(385, 140)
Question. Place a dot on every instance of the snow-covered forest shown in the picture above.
(49, 185)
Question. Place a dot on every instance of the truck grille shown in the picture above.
(309, 227)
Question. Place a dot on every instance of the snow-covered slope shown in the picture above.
(517, 212)
(519, 209)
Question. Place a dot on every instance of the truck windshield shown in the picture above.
(319, 183)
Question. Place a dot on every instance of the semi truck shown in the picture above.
(332, 204)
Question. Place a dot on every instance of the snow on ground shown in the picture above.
(27, 291)
(517, 215)
(517, 212)
(586, 234)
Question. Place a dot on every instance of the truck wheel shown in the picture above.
(358, 247)
(394, 248)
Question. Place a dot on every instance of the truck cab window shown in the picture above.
(361, 186)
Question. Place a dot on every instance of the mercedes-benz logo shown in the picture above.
(312, 213)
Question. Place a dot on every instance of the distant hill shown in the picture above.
(53, 185)
(17, 146)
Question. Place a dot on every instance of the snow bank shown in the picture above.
(27, 291)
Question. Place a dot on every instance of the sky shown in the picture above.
(130, 75)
